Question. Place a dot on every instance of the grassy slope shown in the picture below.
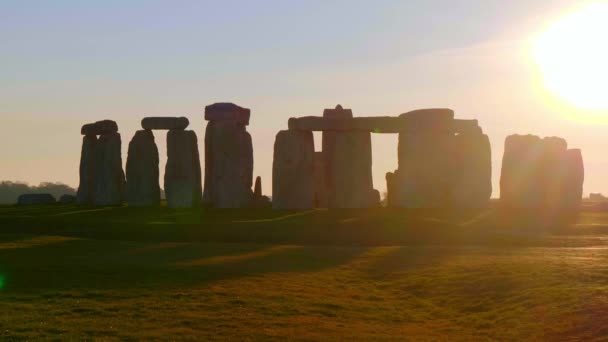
(121, 273)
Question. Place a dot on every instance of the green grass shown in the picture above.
(72, 273)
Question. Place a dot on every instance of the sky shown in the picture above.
(66, 63)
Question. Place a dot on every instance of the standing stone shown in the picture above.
(292, 170)
(257, 189)
(110, 177)
(321, 192)
(551, 171)
(472, 170)
(519, 173)
(183, 187)
(391, 189)
(143, 189)
(86, 188)
(328, 142)
(573, 179)
(424, 178)
(228, 157)
(351, 167)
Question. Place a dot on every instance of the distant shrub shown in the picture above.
(10, 191)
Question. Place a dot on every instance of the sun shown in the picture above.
(572, 57)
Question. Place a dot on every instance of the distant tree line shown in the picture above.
(10, 191)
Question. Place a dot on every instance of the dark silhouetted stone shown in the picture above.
(86, 188)
(35, 199)
(183, 187)
(99, 128)
(292, 170)
(67, 199)
(165, 123)
(225, 111)
(472, 170)
(143, 189)
(109, 175)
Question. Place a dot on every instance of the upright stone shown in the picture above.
(143, 189)
(257, 189)
(424, 178)
(86, 188)
(292, 170)
(183, 187)
(521, 172)
(472, 170)
(228, 157)
(321, 194)
(573, 179)
(110, 177)
(351, 167)
(328, 144)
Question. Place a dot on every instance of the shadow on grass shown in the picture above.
(97, 264)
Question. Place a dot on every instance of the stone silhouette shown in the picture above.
(86, 189)
(102, 179)
(228, 157)
(321, 189)
(35, 199)
(165, 123)
(109, 175)
(183, 187)
(540, 173)
(67, 199)
(292, 170)
(143, 187)
(259, 200)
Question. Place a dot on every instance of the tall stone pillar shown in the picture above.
(110, 183)
(424, 178)
(86, 188)
(573, 179)
(292, 170)
(143, 189)
(183, 187)
(472, 169)
(228, 157)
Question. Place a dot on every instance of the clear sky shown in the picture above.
(66, 63)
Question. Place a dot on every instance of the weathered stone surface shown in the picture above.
(99, 128)
(292, 170)
(424, 178)
(166, 123)
(429, 120)
(225, 111)
(321, 191)
(86, 188)
(519, 185)
(472, 170)
(35, 199)
(109, 175)
(143, 187)
(183, 187)
(228, 165)
(351, 171)
(540, 173)
(67, 199)
(574, 177)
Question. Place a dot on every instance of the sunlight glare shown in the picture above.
(572, 56)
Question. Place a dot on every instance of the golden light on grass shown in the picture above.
(572, 57)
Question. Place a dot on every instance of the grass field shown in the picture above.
(73, 273)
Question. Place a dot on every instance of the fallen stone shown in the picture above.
(67, 199)
(109, 175)
(143, 189)
(86, 188)
(292, 170)
(168, 123)
(228, 165)
(35, 199)
(183, 187)
(99, 128)
(225, 111)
